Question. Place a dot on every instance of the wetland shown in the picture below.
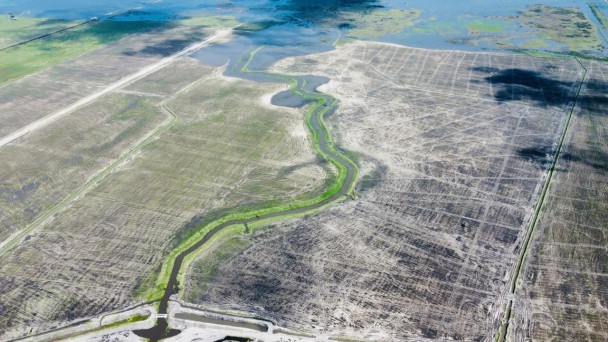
(244, 155)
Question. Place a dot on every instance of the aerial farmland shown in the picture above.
(303, 171)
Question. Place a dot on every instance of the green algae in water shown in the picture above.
(257, 26)
(433, 26)
(599, 15)
(204, 21)
(534, 44)
(486, 26)
(566, 25)
(379, 22)
(537, 27)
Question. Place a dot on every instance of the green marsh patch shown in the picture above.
(486, 26)
(210, 21)
(566, 25)
(378, 22)
(52, 50)
(24, 28)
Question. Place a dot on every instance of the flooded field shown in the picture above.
(471, 25)
(452, 125)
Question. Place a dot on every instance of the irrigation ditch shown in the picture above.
(503, 329)
(340, 190)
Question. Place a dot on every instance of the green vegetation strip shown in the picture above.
(165, 126)
(599, 15)
(236, 230)
(523, 252)
(17, 238)
(50, 50)
(233, 223)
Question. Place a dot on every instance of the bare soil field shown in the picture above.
(33, 97)
(563, 295)
(41, 169)
(227, 147)
(450, 173)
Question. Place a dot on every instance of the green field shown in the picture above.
(24, 28)
(41, 54)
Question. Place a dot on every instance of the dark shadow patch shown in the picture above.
(540, 155)
(543, 155)
(328, 12)
(595, 159)
(429, 333)
(234, 339)
(291, 169)
(528, 85)
(595, 85)
(165, 48)
(53, 22)
(487, 70)
(19, 195)
(596, 104)
(375, 177)
(534, 86)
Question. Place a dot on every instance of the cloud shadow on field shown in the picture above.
(528, 85)
(536, 88)
(543, 156)
(164, 48)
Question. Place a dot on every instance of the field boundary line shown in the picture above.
(236, 220)
(15, 238)
(528, 238)
(43, 122)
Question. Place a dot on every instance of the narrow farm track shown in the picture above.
(339, 191)
(16, 238)
(45, 121)
(526, 244)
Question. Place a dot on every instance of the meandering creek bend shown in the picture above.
(306, 87)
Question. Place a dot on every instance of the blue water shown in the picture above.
(307, 25)
(277, 42)
(65, 9)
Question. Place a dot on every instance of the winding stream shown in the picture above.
(306, 89)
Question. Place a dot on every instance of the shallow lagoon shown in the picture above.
(464, 25)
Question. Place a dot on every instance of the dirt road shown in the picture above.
(38, 124)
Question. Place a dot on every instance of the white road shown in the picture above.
(38, 124)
